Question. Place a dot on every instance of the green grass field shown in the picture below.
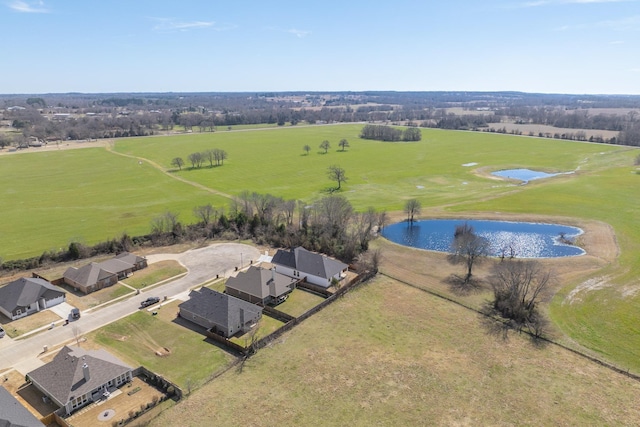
(51, 198)
(137, 338)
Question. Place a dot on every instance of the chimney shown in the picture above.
(85, 372)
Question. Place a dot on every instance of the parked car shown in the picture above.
(75, 313)
(2, 332)
(150, 301)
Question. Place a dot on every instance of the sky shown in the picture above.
(544, 46)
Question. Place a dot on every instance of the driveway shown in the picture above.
(202, 264)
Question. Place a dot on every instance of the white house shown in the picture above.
(28, 295)
(300, 263)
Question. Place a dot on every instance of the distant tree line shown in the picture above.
(86, 116)
(329, 225)
(388, 133)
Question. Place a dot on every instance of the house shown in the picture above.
(300, 263)
(28, 295)
(223, 314)
(260, 286)
(76, 377)
(13, 413)
(98, 275)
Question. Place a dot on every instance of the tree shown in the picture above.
(204, 213)
(412, 208)
(336, 173)
(306, 149)
(177, 162)
(517, 288)
(344, 144)
(467, 248)
(325, 145)
(196, 160)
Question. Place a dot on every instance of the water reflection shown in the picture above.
(517, 239)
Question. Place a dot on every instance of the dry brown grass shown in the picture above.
(390, 355)
(19, 327)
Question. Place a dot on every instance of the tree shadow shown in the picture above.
(499, 327)
(462, 287)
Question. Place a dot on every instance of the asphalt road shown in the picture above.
(203, 264)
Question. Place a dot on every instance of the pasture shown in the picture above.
(94, 194)
(390, 355)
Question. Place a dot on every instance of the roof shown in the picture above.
(63, 377)
(261, 282)
(25, 291)
(14, 414)
(92, 273)
(309, 262)
(129, 258)
(221, 309)
(88, 274)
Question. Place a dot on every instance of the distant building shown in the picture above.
(98, 275)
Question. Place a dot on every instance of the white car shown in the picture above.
(2, 332)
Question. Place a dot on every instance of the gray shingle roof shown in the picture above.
(63, 377)
(129, 258)
(309, 262)
(25, 291)
(221, 309)
(88, 274)
(13, 414)
(261, 282)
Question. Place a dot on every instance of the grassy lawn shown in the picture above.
(96, 195)
(155, 273)
(299, 302)
(266, 326)
(37, 320)
(396, 356)
(83, 302)
(380, 174)
(159, 344)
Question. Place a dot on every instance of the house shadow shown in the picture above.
(36, 400)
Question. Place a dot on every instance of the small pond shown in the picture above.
(525, 239)
(524, 175)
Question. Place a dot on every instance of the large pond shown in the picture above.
(522, 239)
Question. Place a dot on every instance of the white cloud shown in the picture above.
(170, 24)
(617, 42)
(628, 23)
(28, 6)
(299, 33)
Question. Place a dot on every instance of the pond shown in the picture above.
(523, 239)
(524, 175)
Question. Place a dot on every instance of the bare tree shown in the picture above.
(467, 248)
(369, 261)
(177, 162)
(517, 288)
(344, 144)
(196, 160)
(412, 208)
(77, 334)
(205, 213)
(336, 173)
(306, 149)
(210, 156)
(325, 145)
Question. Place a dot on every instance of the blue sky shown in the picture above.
(551, 46)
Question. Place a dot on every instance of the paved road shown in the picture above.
(203, 264)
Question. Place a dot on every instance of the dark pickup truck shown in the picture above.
(149, 301)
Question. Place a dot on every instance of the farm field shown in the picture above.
(49, 199)
(448, 171)
(394, 355)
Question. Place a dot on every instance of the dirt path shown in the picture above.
(109, 148)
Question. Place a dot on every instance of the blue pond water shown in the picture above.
(524, 175)
(526, 239)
